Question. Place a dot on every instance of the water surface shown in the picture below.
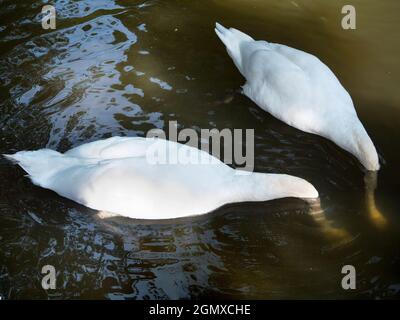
(125, 67)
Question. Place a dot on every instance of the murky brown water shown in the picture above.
(125, 67)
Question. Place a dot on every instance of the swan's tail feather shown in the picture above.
(230, 37)
(38, 164)
(10, 157)
(222, 33)
(233, 40)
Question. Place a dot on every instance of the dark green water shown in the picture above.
(125, 67)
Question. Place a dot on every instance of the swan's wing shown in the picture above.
(306, 61)
(294, 86)
(114, 147)
(155, 150)
(280, 87)
(324, 80)
(133, 187)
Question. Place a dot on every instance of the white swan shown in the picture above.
(120, 175)
(297, 88)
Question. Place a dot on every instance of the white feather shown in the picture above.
(115, 175)
(297, 88)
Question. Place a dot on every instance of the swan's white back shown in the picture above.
(115, 175)
(297, 88)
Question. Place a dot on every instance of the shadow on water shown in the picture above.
(125, 67)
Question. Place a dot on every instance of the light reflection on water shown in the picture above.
(125, 67)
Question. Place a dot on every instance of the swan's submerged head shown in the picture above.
(375, 215)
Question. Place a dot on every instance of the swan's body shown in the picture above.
(297, 88)
(119, 175)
